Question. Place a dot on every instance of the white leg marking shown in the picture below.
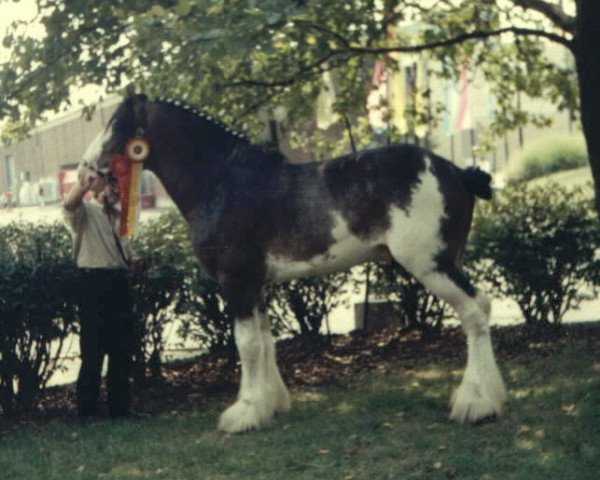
(262, 392)
(275, 383)
(482, 392)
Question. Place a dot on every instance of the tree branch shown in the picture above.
(310, 69)
(316, 67)
(464, 37)
(552, 12)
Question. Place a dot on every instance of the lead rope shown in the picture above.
(112, 220)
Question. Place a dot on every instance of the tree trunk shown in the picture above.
(587, 57)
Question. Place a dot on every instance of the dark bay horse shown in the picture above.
(256, 218)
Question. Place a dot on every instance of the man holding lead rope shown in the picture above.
(104, 294)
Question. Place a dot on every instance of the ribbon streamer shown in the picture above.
(127, 168)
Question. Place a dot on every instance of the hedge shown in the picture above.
(539, 246)
(415, 307)
(37, 309)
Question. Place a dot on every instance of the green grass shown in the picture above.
(387, 424)
(546, 155)
(576, 177)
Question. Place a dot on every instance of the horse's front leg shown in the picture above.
(274, 382)
(262, 391)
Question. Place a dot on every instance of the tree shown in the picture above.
(236, 57)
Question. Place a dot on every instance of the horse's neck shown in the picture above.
(190, 181)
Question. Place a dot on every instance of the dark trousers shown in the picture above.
(106, 329)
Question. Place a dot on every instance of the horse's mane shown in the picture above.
(201, 118)
(244, 152)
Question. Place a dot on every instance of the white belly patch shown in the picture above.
(348, 250)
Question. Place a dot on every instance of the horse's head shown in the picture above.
(127, 123)
(117, 154)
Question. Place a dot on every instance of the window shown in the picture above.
(10, 172)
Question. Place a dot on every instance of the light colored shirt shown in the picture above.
(94, 239)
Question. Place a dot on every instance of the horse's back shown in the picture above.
(366, 186)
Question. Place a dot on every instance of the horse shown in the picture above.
(255, 217)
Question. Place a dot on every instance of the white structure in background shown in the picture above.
(27, 195)
(48, 190)
(38, 193)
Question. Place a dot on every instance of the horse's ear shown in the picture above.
(129, 92)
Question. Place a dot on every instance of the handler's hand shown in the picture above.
(86, 176)
(87, 180)
(90, 180)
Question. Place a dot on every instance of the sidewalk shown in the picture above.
(53, 212)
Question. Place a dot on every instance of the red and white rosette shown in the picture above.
(127, 168)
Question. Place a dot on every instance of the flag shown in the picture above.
(398, 92)
(462, 119)
(419, 98)
(378, 97)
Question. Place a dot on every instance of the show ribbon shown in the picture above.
(127, 168)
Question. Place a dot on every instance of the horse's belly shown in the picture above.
(340, 256)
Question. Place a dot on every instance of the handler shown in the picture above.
(104, 295)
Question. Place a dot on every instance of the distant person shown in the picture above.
(41, 196)
(8, 199)
(104, 295)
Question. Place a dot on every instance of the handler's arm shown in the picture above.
(86, 180)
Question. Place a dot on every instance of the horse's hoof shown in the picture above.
(470, 405)
(242, 416)
(485, 420)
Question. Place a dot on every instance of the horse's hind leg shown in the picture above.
(262, 391)
(481, 393)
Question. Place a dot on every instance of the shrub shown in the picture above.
(206, 318)
(170, 286)
(416, 307)
(37, 309)
(551, 154)
(300, 306)
(537, 245)
(164, 259)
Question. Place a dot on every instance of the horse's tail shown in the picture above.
(477, 182)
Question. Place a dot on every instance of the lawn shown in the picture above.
(576, 177)
(386, 423)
